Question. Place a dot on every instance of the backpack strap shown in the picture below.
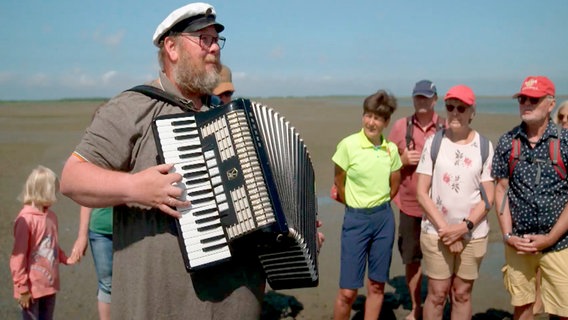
(555, 160)
(514, 158)
(161, 95)
(556, 154)
(515, 155)
(435, 148)
(484, 149)
(409, 131)
(440, 125)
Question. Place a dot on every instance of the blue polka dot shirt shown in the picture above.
(535, 208)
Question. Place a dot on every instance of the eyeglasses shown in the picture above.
(206, 40)
(562, 116)
(523, 99)
(226, 94)
(450, 108)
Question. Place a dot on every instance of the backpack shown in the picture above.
(483, 148)
(554, 152)
(440, 124)
(555, 160)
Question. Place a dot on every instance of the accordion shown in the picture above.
(247, 173)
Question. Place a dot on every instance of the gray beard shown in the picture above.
(192, 82)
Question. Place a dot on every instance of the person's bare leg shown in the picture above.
(414, 283)
(523, 312)
(461, 298)
(104, 310)
(435, 300)
(343, 303)
(375, 297)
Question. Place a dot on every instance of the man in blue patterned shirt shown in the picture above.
(531, 198)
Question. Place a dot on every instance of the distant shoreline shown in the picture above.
(559, 98)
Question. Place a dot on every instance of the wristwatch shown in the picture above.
(469, 224)
(507, 236)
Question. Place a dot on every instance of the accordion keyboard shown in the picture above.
(200, 223)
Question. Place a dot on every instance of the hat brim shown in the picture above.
(424, 94)
(204, 23)
(530, 93)
(222, 87)
(467, 101)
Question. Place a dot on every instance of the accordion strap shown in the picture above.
(161, 95)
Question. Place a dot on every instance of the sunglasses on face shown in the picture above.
(226, 94)
(562, 116)
(523, 99)
(450, 108)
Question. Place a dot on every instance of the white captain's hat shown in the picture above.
(190, 18)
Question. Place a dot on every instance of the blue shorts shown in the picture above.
(101, 248)
(367, 236)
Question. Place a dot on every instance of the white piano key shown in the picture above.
(191, 219)
(223, 207)
(216, 180)
(211, 257)
(193, 226)
(214, 171)
(221, 198)
(209, 154)
(202, 246)
(195, 238)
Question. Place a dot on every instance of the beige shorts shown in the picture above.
(439, 263)
(519, 279)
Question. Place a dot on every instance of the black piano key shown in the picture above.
(184, 129)
(187, 136)
(198, 201)
(199, 192)
(208, 211)
(207, 228)
(195, 173)
(212, 239)
(215, 247)
(186, 148)
(190, 155)
(196, 181)
(208, 219)
(182, 122)
(192, 166)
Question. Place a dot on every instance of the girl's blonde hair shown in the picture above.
(40, 188)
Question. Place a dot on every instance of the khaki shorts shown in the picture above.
(519, 279)
(439, 263)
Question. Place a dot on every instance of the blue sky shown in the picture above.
(76, 49)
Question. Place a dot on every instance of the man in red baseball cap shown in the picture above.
(531, 196)
(536, 87)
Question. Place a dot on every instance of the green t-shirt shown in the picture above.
(101, 220)
(368, 169)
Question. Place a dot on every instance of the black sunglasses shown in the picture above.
(226, 94)
(450, 108)
(523, 99)
(562, 116)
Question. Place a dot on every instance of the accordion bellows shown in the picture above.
(248, 175)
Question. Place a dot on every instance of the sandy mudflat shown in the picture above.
(33, 133)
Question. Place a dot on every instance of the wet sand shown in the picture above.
(33, 133)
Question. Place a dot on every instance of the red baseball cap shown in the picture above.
(461, 92)
(536, 87)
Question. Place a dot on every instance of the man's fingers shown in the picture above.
(169, 211)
